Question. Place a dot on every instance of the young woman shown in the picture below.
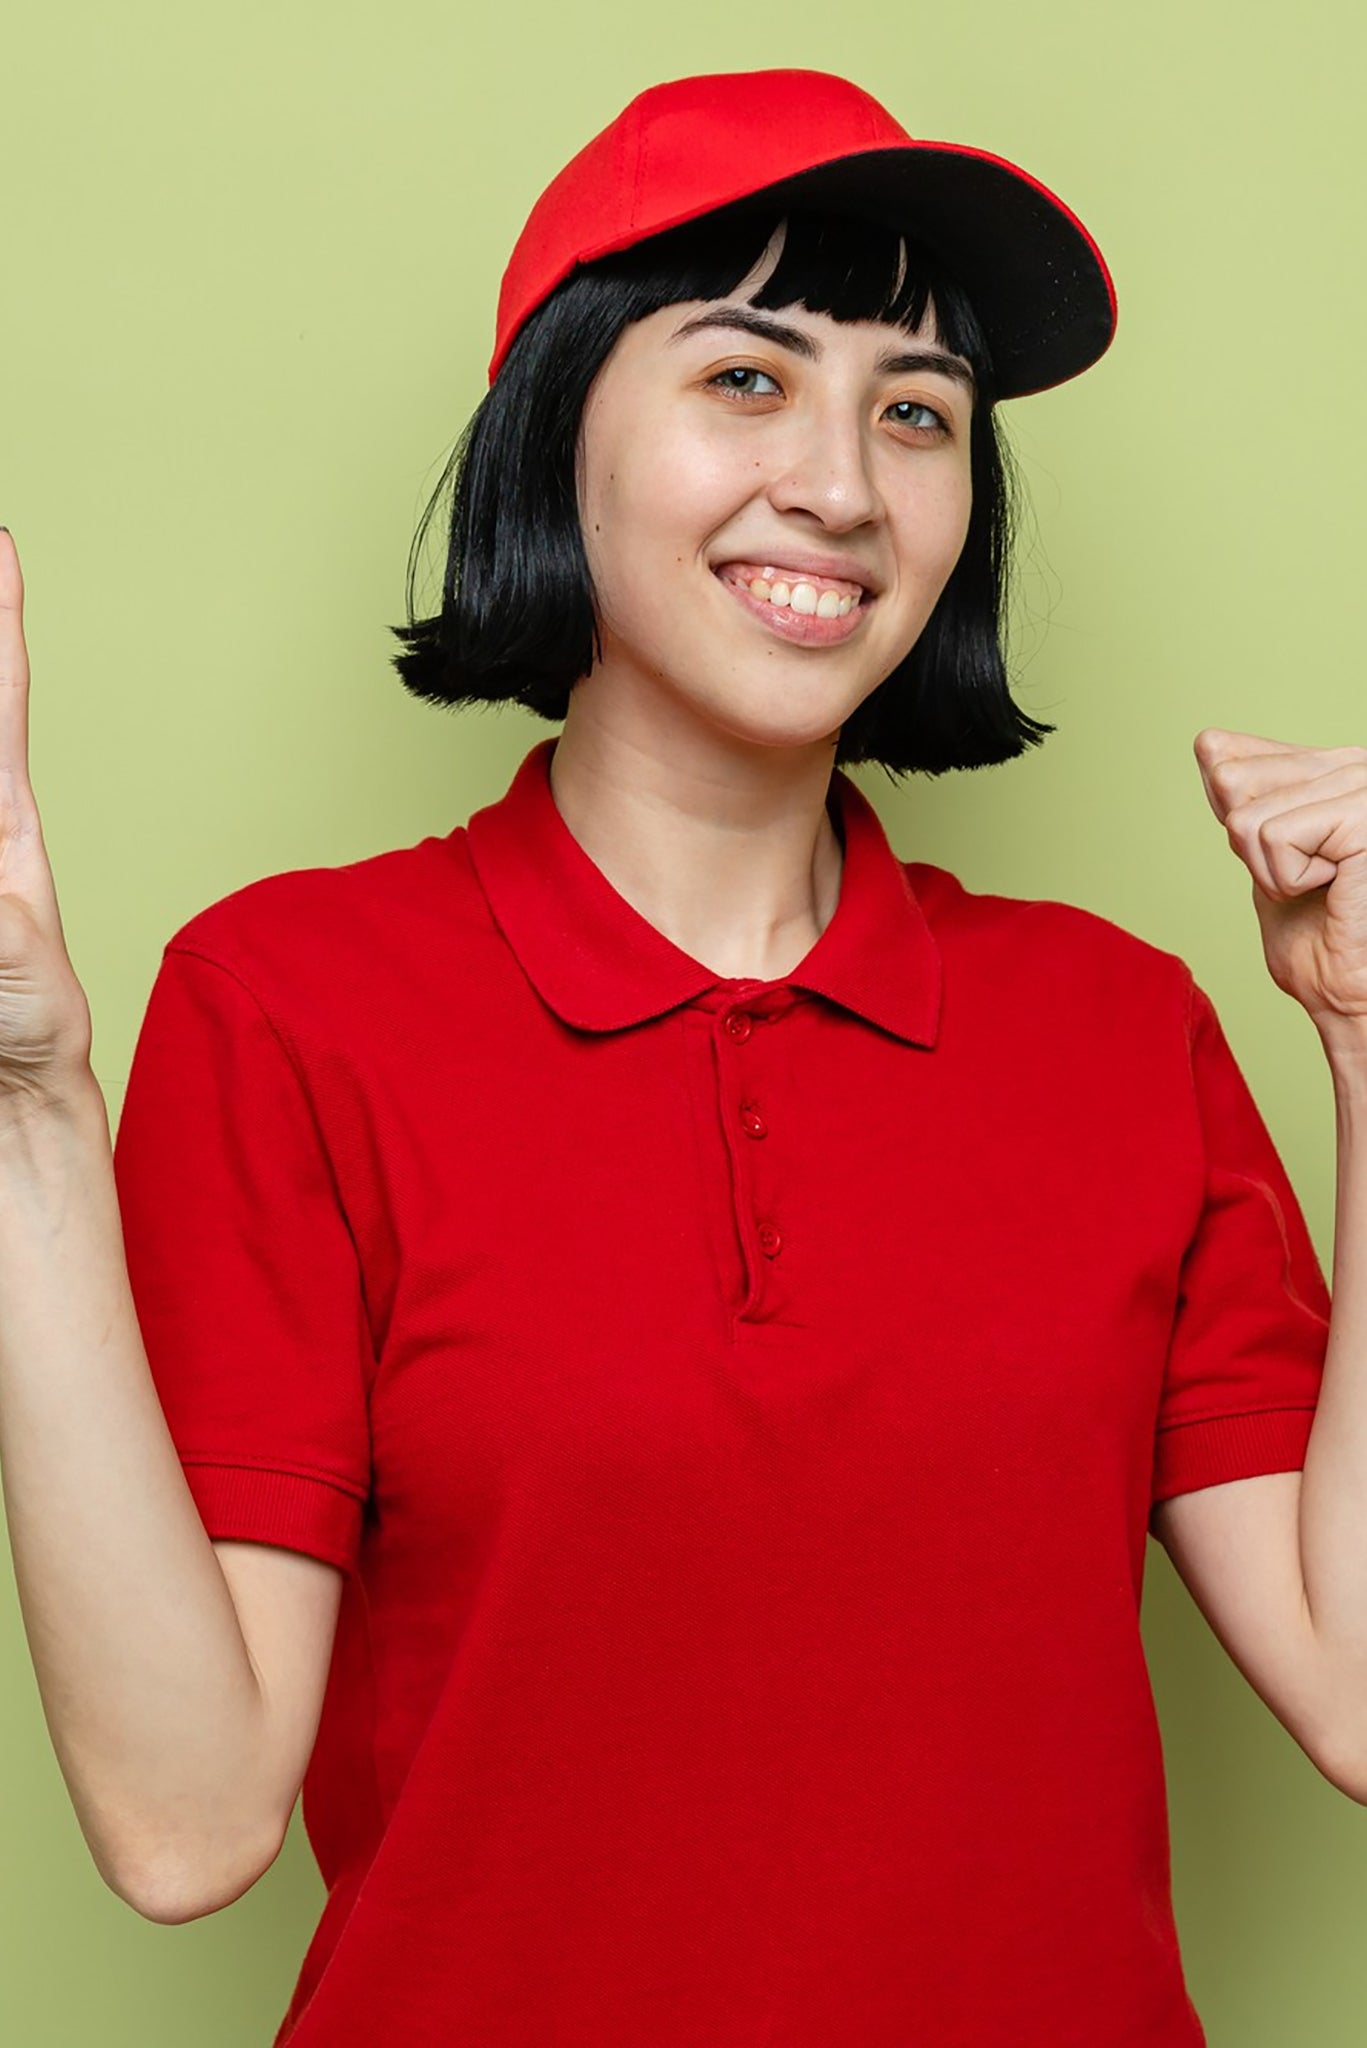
(634, 1347)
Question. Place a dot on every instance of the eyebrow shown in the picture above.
(897, 362)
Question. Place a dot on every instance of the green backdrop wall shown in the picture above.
(250, 261)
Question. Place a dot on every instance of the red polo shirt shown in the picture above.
(737, 1407)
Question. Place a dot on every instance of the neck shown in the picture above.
(726, 848)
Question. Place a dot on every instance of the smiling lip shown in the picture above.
(804, 568)
(804, 628)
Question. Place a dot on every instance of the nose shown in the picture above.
(828, 474)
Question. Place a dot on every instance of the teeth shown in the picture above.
(802, 598)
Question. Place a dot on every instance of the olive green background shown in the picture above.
(250, 265)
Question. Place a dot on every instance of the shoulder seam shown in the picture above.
(186, 951)
(191, 952)
(1096, 918)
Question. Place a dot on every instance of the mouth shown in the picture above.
(795, 604)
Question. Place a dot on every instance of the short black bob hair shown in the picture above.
(518, 623)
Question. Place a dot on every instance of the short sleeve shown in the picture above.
(243, 1271)
(1252, 1321)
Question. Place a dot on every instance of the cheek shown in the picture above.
(958, 527)
(650, 503)
(935, 527)
(599, 495)
(618, 543)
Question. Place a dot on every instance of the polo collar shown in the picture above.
(601, 966)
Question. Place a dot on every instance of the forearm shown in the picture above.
(1333, 1498)
(150, 1695)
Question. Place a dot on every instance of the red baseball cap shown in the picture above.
(1036, 279)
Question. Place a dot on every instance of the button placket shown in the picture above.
(740, 1072)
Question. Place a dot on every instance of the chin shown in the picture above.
(790, 698)
(775, 730)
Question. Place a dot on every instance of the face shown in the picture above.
(772, 503)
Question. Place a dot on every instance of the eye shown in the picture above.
(911, 413)
(734, 380)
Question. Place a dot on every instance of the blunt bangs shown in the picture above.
(517, 621)
(848, 269)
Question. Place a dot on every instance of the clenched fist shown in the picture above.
(1297, 818)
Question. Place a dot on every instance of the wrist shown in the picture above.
(44, 1124)
(1345, 1045)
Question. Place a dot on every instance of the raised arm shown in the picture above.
(176, 1768)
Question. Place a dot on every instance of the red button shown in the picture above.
(753, 1123)
(738, 1023)
(770, 1243)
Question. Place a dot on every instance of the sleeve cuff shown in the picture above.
(1190, 1455)
(253, 1504)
